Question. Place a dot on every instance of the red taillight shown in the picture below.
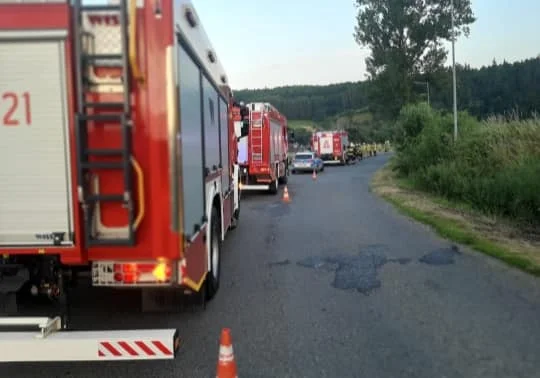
(131, 273)
(130, 278)
(129, 268)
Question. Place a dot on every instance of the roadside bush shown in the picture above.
(421, 139)
(494, 166)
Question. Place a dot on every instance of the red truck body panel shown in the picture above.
(153, 118)
(150, 141)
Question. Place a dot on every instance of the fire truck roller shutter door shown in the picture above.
(35, 180)
(191, 142)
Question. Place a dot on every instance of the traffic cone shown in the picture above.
(286, 197)
(314, 175)
(226, 367)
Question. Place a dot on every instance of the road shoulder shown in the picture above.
(497, 238)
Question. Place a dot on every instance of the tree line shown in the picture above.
(309, 102)
(499, 88)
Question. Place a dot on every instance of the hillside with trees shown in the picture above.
(500, 88)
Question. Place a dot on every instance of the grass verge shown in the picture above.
(498, 238)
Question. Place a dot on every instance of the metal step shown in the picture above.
(96, 57)
(106, 198)
(101, 117)
(42, 339)
(104, 152)
(103, 165)
(113, 105)
(100, 8)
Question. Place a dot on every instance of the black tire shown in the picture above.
(274, 186)
(213, 278)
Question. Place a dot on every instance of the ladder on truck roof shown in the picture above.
(256, 136)
(90, 53)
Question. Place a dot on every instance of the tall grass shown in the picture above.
(494, 166)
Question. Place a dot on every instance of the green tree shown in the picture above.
(406, 40)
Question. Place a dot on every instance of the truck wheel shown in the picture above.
(274, 185)
(213, 277)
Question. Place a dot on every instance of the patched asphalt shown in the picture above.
(335, 284)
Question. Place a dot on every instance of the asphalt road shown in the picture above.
(338, 284)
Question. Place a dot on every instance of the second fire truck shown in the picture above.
(263, 147)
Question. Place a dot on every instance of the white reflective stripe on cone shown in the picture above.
(226, 353)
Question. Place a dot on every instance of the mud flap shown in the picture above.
(12, 279)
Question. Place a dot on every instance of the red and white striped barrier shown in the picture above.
(133, 349)
(52, 344)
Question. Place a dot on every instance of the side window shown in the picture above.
(211, 127)
(190, 140)
(224, 138)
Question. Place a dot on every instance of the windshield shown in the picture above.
(303, 156)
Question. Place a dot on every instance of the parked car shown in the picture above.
(306, 162)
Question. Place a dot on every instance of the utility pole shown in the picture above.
(454, 73)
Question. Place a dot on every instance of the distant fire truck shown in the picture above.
(118, 157)
(331, 146)
(262, 148)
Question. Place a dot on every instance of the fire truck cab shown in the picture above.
(117, 157)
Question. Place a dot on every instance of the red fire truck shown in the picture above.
(331, 146)
(118, 158)
(262, 149)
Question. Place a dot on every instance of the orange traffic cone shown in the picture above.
(314, 176)
(286, 197)
(226, 367)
